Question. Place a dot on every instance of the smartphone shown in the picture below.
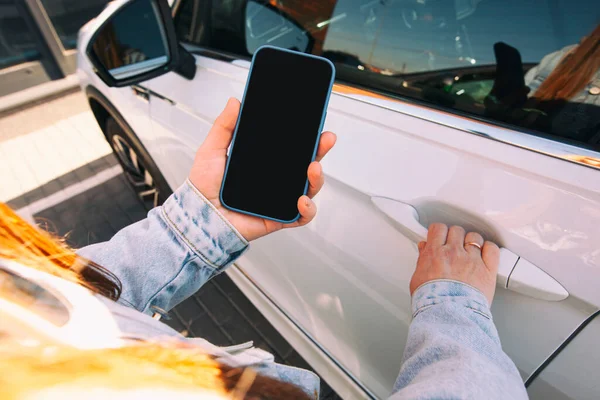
(277, 133)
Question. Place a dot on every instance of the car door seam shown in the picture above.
(560, 348)
(160, 96)
(511, 272)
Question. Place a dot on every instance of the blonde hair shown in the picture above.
(27, 369)
(32, 247)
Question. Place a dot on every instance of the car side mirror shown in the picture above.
(137, 43)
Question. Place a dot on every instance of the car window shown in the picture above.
(215, 24)
(35, 298)
(530, 64)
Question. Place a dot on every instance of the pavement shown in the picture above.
(58, 170)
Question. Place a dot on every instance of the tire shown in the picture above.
(142, 174)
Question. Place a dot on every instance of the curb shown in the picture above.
(33, 95)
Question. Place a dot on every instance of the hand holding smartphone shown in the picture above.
(277, 134)
(208, 170)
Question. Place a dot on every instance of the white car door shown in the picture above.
(572, 371)
(344, 278)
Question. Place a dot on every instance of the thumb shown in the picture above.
(421, 246)
(219, 136)
(490, 253)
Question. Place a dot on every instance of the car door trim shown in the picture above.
(522, 138)
(528, 140)
(151, 93)
(560, 348)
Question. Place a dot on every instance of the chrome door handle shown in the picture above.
(141, 93)
(514, 272)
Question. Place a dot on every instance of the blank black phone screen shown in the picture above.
(277, 132)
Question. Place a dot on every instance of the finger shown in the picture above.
(307, 209)
(456, 236)
(490, 252)
(421, 246)
(326, 143)
(436, 235)
(474, 237)
(316, 179)
(219, 136)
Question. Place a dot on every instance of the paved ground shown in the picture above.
(58, 170)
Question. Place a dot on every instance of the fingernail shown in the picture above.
(307, 203)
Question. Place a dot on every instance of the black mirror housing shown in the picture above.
(121, 64)
(187, 64)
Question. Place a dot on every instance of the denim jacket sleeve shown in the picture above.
(167, 257)
(453, 349)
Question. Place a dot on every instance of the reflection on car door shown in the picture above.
(349, 270)
(181, 123)
(344, 278)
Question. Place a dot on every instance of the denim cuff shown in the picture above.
(198, 223)
(449, 291)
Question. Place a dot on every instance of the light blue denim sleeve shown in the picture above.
(453, 350)
(167, 257)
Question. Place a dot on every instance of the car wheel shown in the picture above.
(142, 174)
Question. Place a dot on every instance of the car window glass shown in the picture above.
(527, 64)
(33, 297)
(266, 24)
(215, 24)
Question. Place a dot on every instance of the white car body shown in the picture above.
(337, 289)
(63, 312)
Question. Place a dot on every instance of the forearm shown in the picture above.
(167, 257)
(453, 349)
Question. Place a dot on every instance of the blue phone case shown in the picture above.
(240, 115)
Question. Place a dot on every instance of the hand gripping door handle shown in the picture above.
(514, 272)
